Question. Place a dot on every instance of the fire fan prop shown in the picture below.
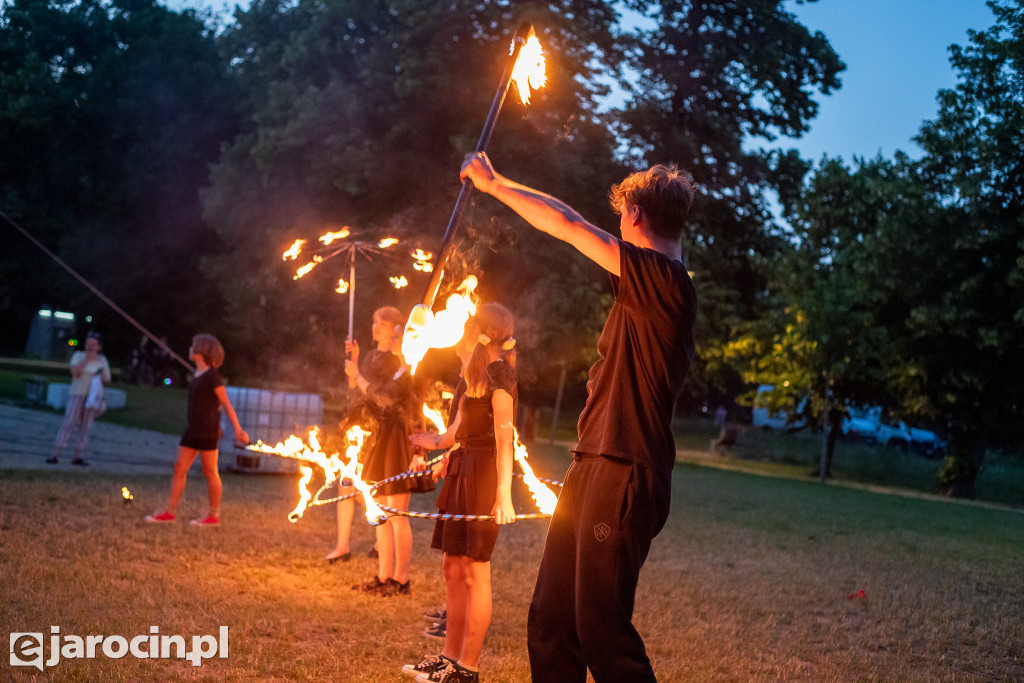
(350, 250)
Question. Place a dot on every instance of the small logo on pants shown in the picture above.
(601, 531)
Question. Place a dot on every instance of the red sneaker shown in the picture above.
(206, 521)
(164, 516)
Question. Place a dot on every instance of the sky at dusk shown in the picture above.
(897, 58)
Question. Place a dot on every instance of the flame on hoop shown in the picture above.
(293, 251)
(399, 281)
(329, 237)
(542, 495)
(425, 330)
(435, 418)
(126, 494)
(332, 466)
(529, 69)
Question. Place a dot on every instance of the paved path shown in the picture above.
(26, 441)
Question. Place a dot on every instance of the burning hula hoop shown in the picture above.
(427, 515)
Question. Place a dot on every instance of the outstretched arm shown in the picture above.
(544, 212)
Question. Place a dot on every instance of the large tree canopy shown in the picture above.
(713, 80)
(110, 113)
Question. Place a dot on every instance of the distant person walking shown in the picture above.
(206, 396)
(89, 372)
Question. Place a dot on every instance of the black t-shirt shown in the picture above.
(645, 349)
(477, 412)
(203, 406)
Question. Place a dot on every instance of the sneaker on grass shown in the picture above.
(206, 521)
(163, 516)
(429, 665)
(391, 587)
(439, 614)
(436, 631)
(452, 673)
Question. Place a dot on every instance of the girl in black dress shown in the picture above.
(206, 397)
(478, 481)
(385, 387)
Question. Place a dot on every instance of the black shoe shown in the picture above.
(52, 461)
(439, 614)
(451, 674)
(392, 587)
(373, 554)
(429, 665)
(369, 586)
(80, 462)
(339, 558)
(436, 631)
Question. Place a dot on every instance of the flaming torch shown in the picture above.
(525, 66)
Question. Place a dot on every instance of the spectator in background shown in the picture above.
(89, 369)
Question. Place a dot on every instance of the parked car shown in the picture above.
(899, 435)
(861, 423)
(866, 423)
(764, 417)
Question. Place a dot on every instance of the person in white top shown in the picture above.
(85, 365)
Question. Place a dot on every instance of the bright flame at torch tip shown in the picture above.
(529, 69)
(387, 242)
(425, 330)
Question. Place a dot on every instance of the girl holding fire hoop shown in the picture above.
(478, 481)
(384, 382)
(206, 397)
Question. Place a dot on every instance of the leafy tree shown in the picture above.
(359, 114)
(110, 113)
(712, 80)
(963, 349)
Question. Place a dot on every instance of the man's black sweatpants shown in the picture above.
(582, 609)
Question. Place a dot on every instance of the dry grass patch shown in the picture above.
(749, 581)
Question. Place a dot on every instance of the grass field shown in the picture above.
(751, 579)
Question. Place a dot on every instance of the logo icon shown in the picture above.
(601, 531)
(27, 650)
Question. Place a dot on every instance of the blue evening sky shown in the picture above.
(897, 58)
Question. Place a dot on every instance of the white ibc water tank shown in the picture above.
(269, 416)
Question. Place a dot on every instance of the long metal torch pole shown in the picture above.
(351, 291)
(448, 245)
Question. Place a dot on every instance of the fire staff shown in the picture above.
(616, 493)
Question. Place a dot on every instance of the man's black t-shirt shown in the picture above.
(645, 349)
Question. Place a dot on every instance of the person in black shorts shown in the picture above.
(478, 481)
(616, 494)
(206, 396)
